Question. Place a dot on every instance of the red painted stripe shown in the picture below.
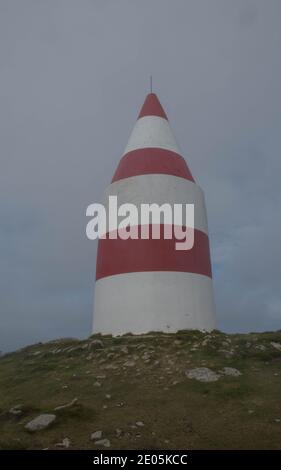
(152, 107)
(126, 256)
(152, 160)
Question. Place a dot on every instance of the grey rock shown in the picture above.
(276, 345)
(129, 364)
(146, 355)
(56, 351)
(110, 355)
(67, 405)
(65, 443)
(103, 442)
(111, 367)
(203, 374)
(230, 371)
(227, 354)
(96, 343)
(16, 410)
(40, 422)
(96, 435)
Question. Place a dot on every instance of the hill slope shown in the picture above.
(137, 390)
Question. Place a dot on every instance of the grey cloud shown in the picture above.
(72, 78)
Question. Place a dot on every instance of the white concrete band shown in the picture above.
(160, 189)
(153, 301)
(152, 131)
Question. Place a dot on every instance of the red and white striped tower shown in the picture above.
(147, 285)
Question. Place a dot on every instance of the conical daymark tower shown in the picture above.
(145, 284)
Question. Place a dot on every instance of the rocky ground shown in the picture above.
(187, 390)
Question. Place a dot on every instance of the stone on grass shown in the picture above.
(276, 345)
(96, 343)
(65, 443)
(40, 422)
(16, 410)
(67, 405)
(103, 442)
(111, 367)
(230, 371)
(96, 435)
(129, 364)
(203, 374)
(227, 354)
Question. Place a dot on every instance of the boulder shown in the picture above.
(230, 371)
(203, 374)
(96, 435)
(103, 442)
(40, 422)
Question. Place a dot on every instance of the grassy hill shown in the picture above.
(136, 390)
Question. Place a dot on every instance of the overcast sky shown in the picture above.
(73, 75)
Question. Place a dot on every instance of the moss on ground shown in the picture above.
(142, 378)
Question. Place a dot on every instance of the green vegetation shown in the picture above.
(121, 381)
